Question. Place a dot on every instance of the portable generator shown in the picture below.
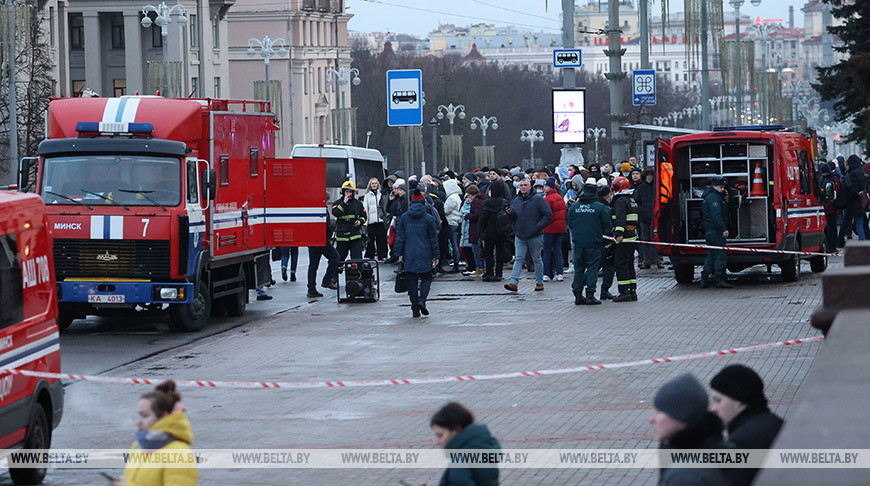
(361, 281)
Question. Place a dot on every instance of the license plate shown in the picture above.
(106, 299)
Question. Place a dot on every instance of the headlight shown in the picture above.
(168, 293)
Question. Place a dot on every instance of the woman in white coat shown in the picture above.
(375, 205)
(451, 209)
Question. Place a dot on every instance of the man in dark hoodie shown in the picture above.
(588, 219)
(529, 213)
(454, 429)
(853, 183)
(494, 238)
(680, 420)
(738, 399)
(715, 213)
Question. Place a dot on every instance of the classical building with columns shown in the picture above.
(317, 41)
(108, 51)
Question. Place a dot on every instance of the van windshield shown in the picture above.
(336, 172)
(101, 180)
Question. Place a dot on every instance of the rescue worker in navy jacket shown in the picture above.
(625, 232)
(350, 215)
(715, 212)
(588, 220)
(738, 399)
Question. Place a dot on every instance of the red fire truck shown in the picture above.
(158, 202)
(773, 188)
(29, 407)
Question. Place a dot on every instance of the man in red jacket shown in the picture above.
(554, 232)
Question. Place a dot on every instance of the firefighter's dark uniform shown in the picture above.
(348, 237)
(625, 224)
(715, 213)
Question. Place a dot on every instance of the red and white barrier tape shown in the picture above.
(729, 248)
(406, 381)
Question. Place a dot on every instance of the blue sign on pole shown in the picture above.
(643, 87)
(404, 98)
(567, 58)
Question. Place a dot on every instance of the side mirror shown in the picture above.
(25, 165)
(209, 184)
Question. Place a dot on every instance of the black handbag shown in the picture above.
(401, 281)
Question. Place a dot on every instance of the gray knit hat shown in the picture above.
(683, 398)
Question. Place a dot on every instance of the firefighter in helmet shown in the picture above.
(625, 233)
(715, 212)
(350, 215)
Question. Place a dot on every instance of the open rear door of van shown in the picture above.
(295, 202)
(666, 198)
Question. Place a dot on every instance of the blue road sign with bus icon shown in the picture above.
(643, 87)
(567, 58)
(404, 96)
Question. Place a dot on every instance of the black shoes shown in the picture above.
(578, 298)
(313, 293)
(487, 278)
(705, 280)
(264, 297)
(606, 295)
(623, 297)
(722, 283)
(284, 274)
(423, 309)
(415, 311)
(590, 298)
(634, 296)
(292, 276)
(329, 285)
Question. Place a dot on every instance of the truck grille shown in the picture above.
(147, 259)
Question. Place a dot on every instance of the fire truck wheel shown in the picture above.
(820, 263)
(791, 268)
(684, 273)
(64, 320)
(235, 304)
(191, 317)
(38, 437)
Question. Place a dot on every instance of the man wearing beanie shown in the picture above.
(738, 399)
(680, 420)
(588, 219)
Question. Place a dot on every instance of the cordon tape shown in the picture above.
(406, 381)
(729, 248)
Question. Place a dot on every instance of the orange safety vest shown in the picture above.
(666, 176)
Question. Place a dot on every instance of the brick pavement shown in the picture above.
(475, 327)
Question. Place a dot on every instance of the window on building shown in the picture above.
(304, 81)
(319, 39)
(156, 36)
(215, 34)
(76, 32)
(120, 87)
(255, 161)
(217, 87)
(11, 290)
(194, 85)
(319, 81)
(194, 29)
(117, 22)
(77, 87)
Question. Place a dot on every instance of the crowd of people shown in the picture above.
(682, 418)
(844, 185)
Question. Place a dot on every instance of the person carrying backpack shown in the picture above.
(494, 227)
(829, 184)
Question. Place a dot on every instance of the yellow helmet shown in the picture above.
(348, 185)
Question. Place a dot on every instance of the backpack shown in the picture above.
(829, 193)
(503, 221)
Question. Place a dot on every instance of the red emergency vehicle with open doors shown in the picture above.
(772, 204)
(30, 408)
(157, 202)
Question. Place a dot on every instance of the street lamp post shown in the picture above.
(434, 124)
(343, 77)
(532, 136)
(265, 47)
(164, 18)
(451, 112)
(597, 133)
(660, 120)
(484, 122)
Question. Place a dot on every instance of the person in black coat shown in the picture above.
(680, 420)
(644, 196)
(417, 247)
(853, 183)
(738, 399)
(494, 253)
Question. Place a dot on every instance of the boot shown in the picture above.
(578, 298)
(415, 311)
(722, 283)
(606, 295)
(634, 292)
(590, 298)
(705, 280)
(623, 297)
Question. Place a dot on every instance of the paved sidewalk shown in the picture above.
(475, 327)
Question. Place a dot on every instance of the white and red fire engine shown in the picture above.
(159, 202)
(771, 174)
(29, 407)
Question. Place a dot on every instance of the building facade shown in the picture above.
(317, 42)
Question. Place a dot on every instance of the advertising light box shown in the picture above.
(569, 115)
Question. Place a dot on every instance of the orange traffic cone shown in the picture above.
(758, 182)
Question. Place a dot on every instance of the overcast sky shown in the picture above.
(420, 17)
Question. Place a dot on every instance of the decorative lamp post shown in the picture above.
(434, 124)
(660, 120)
(532, 136)
(451, 111)
(597, 133)
(163, 18)
(484, 122)
(265, 47)
(342, 77)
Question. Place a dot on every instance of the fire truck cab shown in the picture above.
(170, 204)
(772, 185)
(30, 408)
